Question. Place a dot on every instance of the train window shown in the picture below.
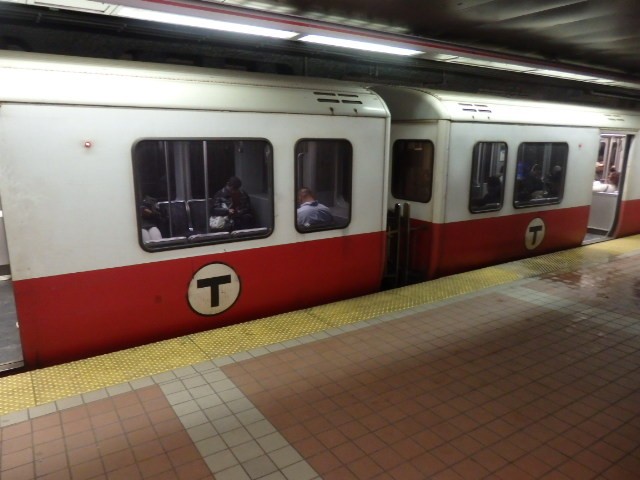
(323, 184)
(412, 170)
(487, 176)
(540, 174)
(194, 192)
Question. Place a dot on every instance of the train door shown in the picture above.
(413, 150)
(607, 186)
(10, 348)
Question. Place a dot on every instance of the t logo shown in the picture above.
(534, 233)
(213, 289)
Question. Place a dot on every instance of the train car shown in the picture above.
(142, 202)
(490, 180)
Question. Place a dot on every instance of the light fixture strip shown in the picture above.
(198, 22)
(357, 45)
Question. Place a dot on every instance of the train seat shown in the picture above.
(198, 214)
(177, 220)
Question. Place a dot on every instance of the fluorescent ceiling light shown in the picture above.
(561, 74)
(370, 47)
(200, 22)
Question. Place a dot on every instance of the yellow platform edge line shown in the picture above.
(24, 390)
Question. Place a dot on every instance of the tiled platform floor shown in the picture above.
(538, 379)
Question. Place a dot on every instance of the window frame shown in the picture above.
(298, 168)
(487, 207)
(546, 167)
(393, 182)
(160, 246)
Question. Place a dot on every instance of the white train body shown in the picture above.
(84, 142)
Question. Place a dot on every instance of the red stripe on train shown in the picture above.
(74, 316)
(629, 218)
(444, 249)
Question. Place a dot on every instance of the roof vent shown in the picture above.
(330, 97)
(614, 117)
(475, 107)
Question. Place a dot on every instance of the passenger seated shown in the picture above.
(533, 186)
(554, 181)
(612, 181)
(231, 208)
(150, 219)
(311, 213)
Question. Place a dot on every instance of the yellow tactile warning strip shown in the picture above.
(22, 391)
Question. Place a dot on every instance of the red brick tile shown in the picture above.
(24, 472)
(48, 449)
(347, 452)
(388, 458)
(129, 472)
(142, 435)
(331, 438)
(108, 431)
(408, 448)
(16, 459)
(154, 466)
(406, 471)
(125, 399)
(369, 443)
(17, 430)
(184, 455)
(73, 414)
(428, 464)
(112, 445)
(324, 462)
(469, 469)
(73, 427)
(168, 427)
(365, 468)
(341, 473)
(87, 470)
(16, 444)
(47, 435)
(99, 407)
(51, 464)
(118, 460)
(83, 454)
(175, 440)
(194, 470)
(104, 418)
(573, 469)
(309, 446)
(45, 422)
(511, 472)
(130, 411)
(134, 423)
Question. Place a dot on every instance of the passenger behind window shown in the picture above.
(150, 219)
(613, 179)
(231, 208)
(532, 185)
(554, 181)
(311, 213)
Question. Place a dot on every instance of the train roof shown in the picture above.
(417, 104)
(55, 79)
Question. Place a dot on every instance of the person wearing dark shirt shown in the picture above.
(233, 203)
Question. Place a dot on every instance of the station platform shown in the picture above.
(527, 370)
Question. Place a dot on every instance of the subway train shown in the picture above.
(142, 202)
